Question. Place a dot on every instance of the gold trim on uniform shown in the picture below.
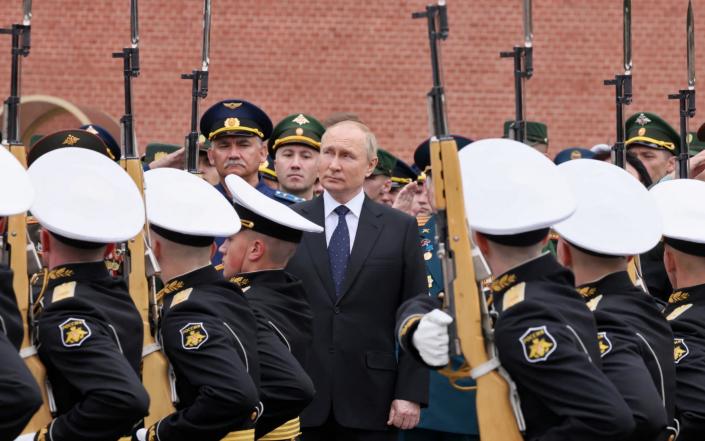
(181, 297)
(678, 296)
(239, 129)
(587, 291)
(678, 311)
(664, 144)
(59, 273)
(408, 323)
(287, 431)
(240, 435)
(240, 281)
(298, 137)
(232, 106)
(503, 282)
(174, 285)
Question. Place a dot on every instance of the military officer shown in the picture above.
(536, 134)
(88, 331)
(206, 326)
(545, 334)
(378, 185)
(684, 257)
(19, 394)
(295, 145)
(402, 175)
(255, 259)
(635, 340)
(450, 415)
(114, 151)
(654, 142)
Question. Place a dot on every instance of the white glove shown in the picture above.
(26, 437)
(431, 338)
(141, 434)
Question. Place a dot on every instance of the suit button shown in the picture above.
(336, 310)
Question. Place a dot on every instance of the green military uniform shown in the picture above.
(646, 129)
(536, 132)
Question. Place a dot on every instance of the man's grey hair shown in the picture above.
(371, 143)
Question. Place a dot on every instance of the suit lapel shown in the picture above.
(368, 229)
(317, 248)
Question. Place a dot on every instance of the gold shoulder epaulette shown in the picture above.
(514, 295)
(181, 296)
(63, 291)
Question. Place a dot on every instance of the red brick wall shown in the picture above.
(321, 56)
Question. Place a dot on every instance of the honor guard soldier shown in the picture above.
(255, 259)
(596, 243)
(657, 145)
(536, 134)
(207, 329)
(684, 257)
(379, 184)
(545, 334)
(295, 145)
(654, 142)
(19, 395)
(450, 412)
(88, 330)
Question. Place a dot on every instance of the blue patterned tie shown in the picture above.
(339, 249)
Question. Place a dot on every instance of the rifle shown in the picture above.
(199, 89)
(498, 415)
(523, 70)
(686, 97)
(623, 86)
(139, 263)
(22, 257)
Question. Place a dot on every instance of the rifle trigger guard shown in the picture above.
(485, 368)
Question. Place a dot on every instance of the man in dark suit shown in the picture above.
(356, 274)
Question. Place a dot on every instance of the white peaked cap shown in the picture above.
(85, 196)
(510, 188)
(616, 215)
(181, 202)
(680, 202)
(16, 191)
(279, 214)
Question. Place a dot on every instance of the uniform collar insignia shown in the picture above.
(78, 272)
(587, 291)
(301, 120)
(678, 296)
(61, 272)
(240, 281)
(642, 120)
(503, 283)
(172, 286)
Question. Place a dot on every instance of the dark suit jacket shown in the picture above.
(354, 363)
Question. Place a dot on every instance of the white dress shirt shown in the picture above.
(352, 218)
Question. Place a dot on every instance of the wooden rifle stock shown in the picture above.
(17, 239)
(155, 367)
(495, 415)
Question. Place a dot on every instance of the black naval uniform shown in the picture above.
(19, 394)
(208, 333)
(685, 312)
(90, 341)
(281, 298)
(636, 346)
(283, 318)
(546, 339)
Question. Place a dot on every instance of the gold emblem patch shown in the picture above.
(74, 332)
(503, 282)
(587, 291)
(71, 140)
(538, 344)
(604, 344)
(301, 120)
(299, 131)
(642, 131)
(232, 106)
(575, 154)
(232, 122)
(678, 296)
(680, 350)
(193, 335)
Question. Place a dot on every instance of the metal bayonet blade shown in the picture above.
(27, 12)
(690, 26)
(205, 54)
(528, 25)
(627, 37)
(134, 24)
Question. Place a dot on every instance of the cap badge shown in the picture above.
(71, 140)
(301, 120)
(642, 131)
(232, 106)
(575, 154)
(232, 122)
(642, 120)
(299, 131)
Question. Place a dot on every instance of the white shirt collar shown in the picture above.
(354, 204)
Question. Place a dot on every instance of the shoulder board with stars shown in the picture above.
(287, 197)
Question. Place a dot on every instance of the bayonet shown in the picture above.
(528, 25)
(27, 12)
(627, 43)
(205, 53)
(691, 47)
(134, 24)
